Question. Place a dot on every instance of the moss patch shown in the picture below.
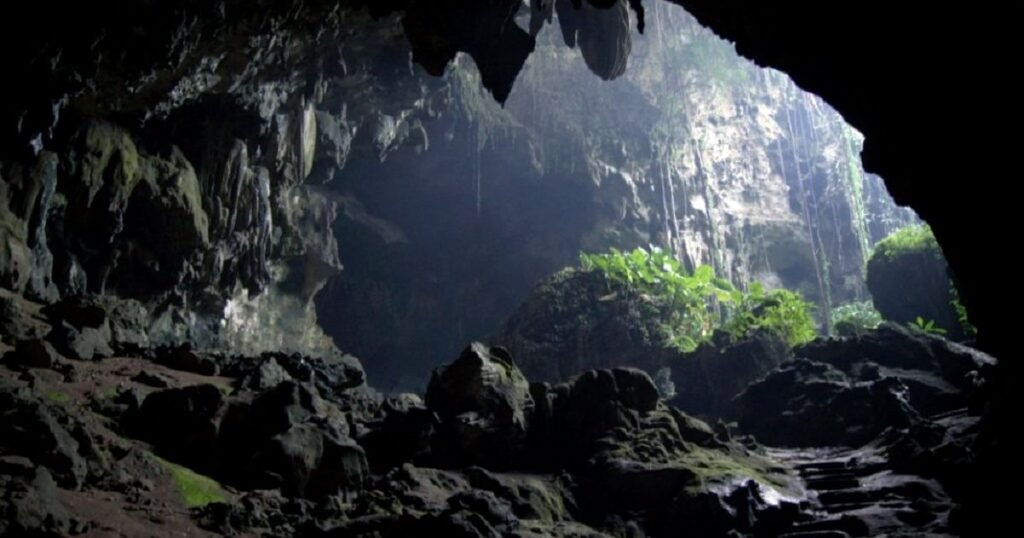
(720, 466)
(195, 489)
(57, 397)
(912, 239)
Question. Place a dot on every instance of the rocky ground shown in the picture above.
(100, 438)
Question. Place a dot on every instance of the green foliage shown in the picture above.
(701, 302)
(714, 58)
(195, 489)
(927, 326)
(907, 240)
(657, 275)
(57, 397)
(855, 317)
(961, 312)
(782, 312)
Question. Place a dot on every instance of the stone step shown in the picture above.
(847, 525)
(948, 414)
(835, 475)
(831, 484)
(845, 466)
(815, 534)
(844, 508)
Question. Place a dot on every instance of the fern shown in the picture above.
(699, 303)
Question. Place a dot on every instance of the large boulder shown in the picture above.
(846, 391)
(30, 428)
(591, 409)
(484, 403)
(414, 501)
(182, 423)
(20, 319)
(404, 433)
(30, 504)
(333, 374)
(186, 359)
(708, 379)
(571, 324)
(290, 438)
(33, 353)
(81, 328)
(806, 403)
(908, 278)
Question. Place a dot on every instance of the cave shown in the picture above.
(502, 268)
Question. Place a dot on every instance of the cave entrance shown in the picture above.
(677, 143)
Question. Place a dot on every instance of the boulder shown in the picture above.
(81, 329)
(909, 283)
(30, 504)
(34, 353)
(29, 428)
(289, 437)
(404, 434)
(182, 424)
(129, 324)
(484, 404)
(19, 318)
(595, 411)
(571, 324)
(846, 391)
(267, 375)
(186, 359)
(332, 375)
(708, 379)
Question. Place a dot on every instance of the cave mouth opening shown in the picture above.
(666, 139)
(651, 236)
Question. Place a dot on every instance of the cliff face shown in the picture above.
(197, 160)
(692, 148)
(181, 161)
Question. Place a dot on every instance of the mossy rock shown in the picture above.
(577, 321)
(908, 278)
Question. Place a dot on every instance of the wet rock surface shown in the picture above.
(299, 448)
(222, 241)
(846, 391)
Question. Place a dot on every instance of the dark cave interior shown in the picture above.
(249, 250)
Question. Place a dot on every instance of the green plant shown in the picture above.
(961, 312)
(853, 317)
(917, 238)
(57, 397)
(195, 489)
(782, 312)
(696, 304)
(687, 300)
(927, 326)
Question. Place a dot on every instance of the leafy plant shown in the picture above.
(853, 317)
(689, 300)
(961, 312)
(927, 326)
(697, 304)
(917, 238)
(782, 312)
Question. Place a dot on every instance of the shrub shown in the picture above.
(917, 238)
(696, 304)
(782, 312)
(855, 317)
